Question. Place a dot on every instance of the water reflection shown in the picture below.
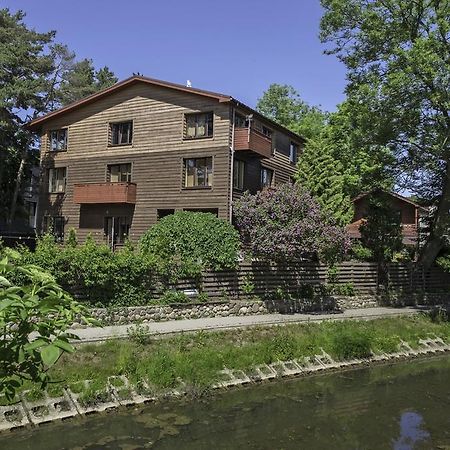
(411, 432)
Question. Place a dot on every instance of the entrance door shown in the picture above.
(116, 230)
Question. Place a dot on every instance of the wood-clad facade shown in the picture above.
(155, 148)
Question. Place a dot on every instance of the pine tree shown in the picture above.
(323, 176)
(83, 80)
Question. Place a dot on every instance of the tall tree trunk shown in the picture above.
(12, 209)
(440, 226)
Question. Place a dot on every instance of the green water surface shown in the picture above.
(404, 406)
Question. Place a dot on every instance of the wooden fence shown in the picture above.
(266, 278)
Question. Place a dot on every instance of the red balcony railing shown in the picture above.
(105, 193)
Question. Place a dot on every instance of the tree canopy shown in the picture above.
(37, 75)
(397, 55)
(282, 104)
(323, 176)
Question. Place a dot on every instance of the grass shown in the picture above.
(197, 358)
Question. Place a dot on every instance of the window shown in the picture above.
(241, 121)
(54, 225)
(293, 152)
(198, 172)
(121, 133)
(117, 229)
(238, 174)
(198, 125)
(160, 213)
(266, 131)
(58, 140)
(266, 177)
(119, 173)
(57, 180)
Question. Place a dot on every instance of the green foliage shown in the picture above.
(248, 286)
(361, 253)
(381, 232)
(139, 333)
(186, 243)
(397, 55)
(347, 289)
(323, 176)
(172, 296)
(282, 104)
(197, 358)
(285, 223)
(36, 75)
(34, 318)
(94, 273)
(350, 343)
(444, 262)
(72, 238)
(83, 80)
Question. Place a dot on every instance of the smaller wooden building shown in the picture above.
(409, 211)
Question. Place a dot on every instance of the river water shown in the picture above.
(403, 406)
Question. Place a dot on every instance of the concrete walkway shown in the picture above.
(227, 323)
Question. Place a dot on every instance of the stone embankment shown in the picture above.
(120, 392)
(161, 313)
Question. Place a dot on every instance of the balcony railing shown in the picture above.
(252, 140)
(105, 193)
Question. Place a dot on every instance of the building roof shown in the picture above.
(392, 194)
(36, 124)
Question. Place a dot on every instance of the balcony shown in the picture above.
(105, 193)
(249, 139)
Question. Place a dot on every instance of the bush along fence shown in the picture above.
(301, 278)
(307, 286)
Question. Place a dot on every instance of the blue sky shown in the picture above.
(234, 47)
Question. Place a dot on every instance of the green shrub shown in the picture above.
(361, 253)
(350, 343)
(93, 272)
(172, 296)
(186, 243)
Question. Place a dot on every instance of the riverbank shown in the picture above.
(193, 363)
(402, 402)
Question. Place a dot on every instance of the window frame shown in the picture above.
(184, 172)
(185, 128)
(129, 173)
(50, 183)
(268, 170)
(293, 156)
(241, 165)
(120, 221)
(266, 131)
(111, 133)
(66, 139)
(49, 226)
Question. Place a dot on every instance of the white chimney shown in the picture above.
(188, 83)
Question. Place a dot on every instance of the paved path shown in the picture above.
(226, 323)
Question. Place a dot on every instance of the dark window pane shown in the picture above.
(266, 177)
(121, 133)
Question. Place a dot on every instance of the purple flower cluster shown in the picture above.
(286, 222)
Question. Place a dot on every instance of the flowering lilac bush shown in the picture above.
(287, 223)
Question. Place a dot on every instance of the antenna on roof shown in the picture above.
(188, 83)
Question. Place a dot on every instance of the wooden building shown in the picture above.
(410, 214)
(116, 161)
